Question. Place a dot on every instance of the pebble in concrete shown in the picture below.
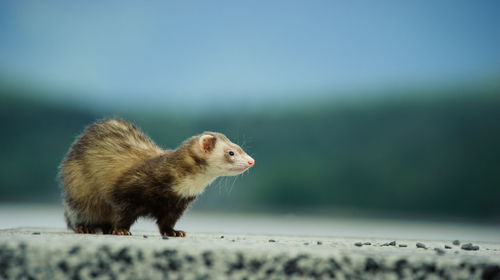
(359, 244)
(439, 251)
(74, 250)
(392, 243)
(421, 245)
(470, 247)
(456, 242)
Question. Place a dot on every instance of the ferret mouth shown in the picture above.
(239, 169)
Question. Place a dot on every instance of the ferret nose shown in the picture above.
(251, 162)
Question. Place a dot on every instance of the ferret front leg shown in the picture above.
(122, 225)
(166, 225)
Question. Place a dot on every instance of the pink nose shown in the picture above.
(251, 162)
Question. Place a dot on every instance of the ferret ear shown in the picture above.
(207, 143)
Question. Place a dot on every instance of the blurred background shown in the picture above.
(352, 109)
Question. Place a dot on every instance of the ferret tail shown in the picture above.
(67, 217)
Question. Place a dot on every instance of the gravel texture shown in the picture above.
(59, 254)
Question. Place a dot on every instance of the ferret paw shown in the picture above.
(174, 233)
(180, 233)
(84, 229)
(121, 231)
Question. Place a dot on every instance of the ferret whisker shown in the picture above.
(225, 183)
(219, 185)
(232, 185)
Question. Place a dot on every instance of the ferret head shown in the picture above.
(224, 158)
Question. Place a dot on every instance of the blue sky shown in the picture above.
(184, 52)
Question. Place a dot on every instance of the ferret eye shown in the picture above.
(231, 153)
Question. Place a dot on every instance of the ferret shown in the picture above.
(114, 173)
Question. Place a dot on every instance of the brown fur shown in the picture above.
(114, 174)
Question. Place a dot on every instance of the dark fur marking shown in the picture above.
(125, 146)
(201, 163)
(146, 191)
(228, 157)
(210, 146)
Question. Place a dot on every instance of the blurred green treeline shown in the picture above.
(434, 153)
